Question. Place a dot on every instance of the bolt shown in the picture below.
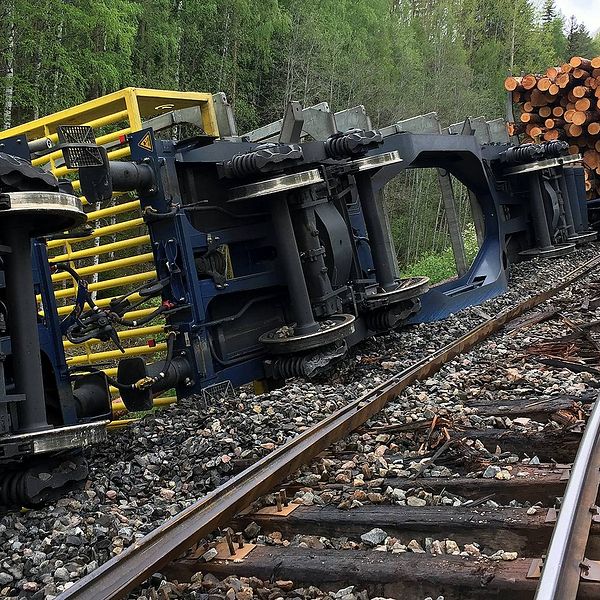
(229, 541)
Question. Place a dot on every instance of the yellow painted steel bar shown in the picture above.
(117, 403)
(140, 240)
(111, 211)
(118, 263)
(53, 137)
(65, 310)
(83, 359)
(110, 283)
(133, 314)
(115, 196)
(133, 109)
(123, 335)
(112, 371)
(100, 231)
(98, 112)
(101, 140)
(138, 103)
(120, 423)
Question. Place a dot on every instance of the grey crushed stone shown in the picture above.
(159, 466)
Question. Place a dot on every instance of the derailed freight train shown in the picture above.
(272, 260)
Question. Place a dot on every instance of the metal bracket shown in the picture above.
(293, 123)
(590, 570)
(535, 569)
(166, 260)
(224, 553)
(273, 511)
(552, 515)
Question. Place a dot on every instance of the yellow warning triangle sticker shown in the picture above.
(146, 142)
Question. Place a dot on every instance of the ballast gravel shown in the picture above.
(162, 464)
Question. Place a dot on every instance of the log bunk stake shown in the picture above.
(562, 103)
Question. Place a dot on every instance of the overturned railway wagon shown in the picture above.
(146, 225)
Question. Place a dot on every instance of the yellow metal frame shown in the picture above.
(125, 110)
(129, 104)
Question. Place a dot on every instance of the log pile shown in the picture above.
(562, 103)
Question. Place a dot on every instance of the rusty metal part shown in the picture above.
(118, 576)
(565, 563)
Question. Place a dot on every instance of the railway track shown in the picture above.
(499, 525)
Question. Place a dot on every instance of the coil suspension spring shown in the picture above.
(288, 366)
(389, 318)
(353, 142)
(531, 152)
(244, 164)
(13, 489)
(250, 163)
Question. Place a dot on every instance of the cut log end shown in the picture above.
(535, 132)
(583, 104)
(529, 82)
(563, 103)
(581, 63)
(512, 84)
(593, 128)
(543, 84)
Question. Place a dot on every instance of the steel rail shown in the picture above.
(564, 563)
(121, 574)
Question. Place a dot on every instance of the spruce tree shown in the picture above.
(548, 12)
(579, 40)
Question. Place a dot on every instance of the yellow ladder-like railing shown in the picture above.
(120, 254)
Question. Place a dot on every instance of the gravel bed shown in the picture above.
(160, 465)
(498, 370)
(502, 368)
(203, 587)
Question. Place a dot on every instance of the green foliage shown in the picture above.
(437, 266)
(440, 266)
(397, 57)
(579, 40)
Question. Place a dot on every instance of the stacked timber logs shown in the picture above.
(563, 103)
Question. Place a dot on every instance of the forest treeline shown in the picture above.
(397, 57)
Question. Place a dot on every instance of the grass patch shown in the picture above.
(439, 266)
